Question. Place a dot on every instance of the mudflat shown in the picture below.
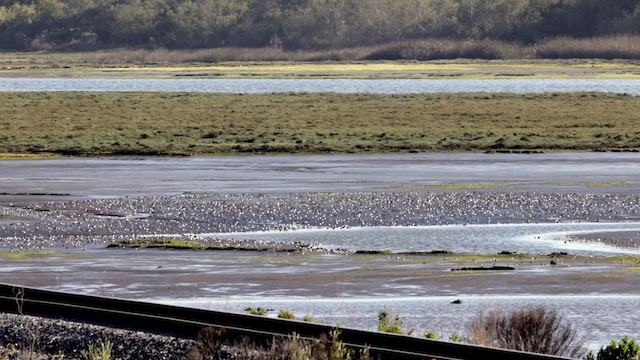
(58, 216)
(63, 244)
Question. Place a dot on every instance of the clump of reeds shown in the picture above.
(219, 55)
(608, 47)
(435, 49)
(428, 49)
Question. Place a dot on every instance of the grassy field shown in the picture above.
(86, 124)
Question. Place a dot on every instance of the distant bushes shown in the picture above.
(31, 25)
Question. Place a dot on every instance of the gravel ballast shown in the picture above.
(59, 339)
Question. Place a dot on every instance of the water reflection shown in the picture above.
(99, 177)
(590, 315)
(372, 86)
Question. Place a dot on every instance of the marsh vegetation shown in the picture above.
(86, 124)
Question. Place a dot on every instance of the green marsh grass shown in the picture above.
(177, 124)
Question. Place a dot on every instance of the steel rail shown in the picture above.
(187, 322)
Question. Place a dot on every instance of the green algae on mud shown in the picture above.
(178, 124)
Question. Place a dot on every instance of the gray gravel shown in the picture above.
(49, 338)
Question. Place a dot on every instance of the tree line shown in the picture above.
(301, 24)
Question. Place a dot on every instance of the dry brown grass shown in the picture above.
(434, 49)
(219, 55)
(610, 47)
(429, 49)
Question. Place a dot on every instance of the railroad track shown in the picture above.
(187, 322)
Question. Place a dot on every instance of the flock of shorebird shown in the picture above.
(76, 224)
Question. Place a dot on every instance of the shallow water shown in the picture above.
(486, 239)
(372, 86)
(591, 315)
(233, 281)
(99, 177)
